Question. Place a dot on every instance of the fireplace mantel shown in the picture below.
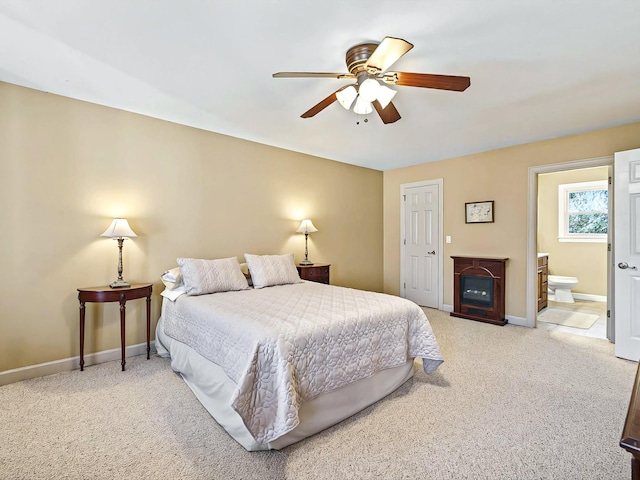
(478, 289)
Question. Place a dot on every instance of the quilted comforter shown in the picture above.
(287, 344)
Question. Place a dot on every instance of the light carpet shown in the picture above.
(568, 318)
(508, 403)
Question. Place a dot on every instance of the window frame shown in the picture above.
(563, 214)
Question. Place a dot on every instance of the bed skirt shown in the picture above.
(214, 389)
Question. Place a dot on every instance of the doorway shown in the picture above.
(572, 235)
(568, 257)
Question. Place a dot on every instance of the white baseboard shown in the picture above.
(73, 363)
(519, 321)
(522, 322)
(588, 296)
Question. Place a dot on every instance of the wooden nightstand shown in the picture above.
(108, 294)
(315, 273)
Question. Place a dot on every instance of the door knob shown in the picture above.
(431, 253)
(625, 265)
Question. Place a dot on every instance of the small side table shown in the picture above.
(318, 272)
(108, 294)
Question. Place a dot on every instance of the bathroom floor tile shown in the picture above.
(598, 330)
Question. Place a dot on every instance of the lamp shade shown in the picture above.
(306, 226)
(119, 228)
(385, 94)
(347, 96)
(362, 107)
(369, 89)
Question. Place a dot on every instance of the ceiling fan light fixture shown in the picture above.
(362, 106)
(385, 95)
(369, 89)
(368, 63)
(347, 96)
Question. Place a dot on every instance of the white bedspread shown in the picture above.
(287, 344)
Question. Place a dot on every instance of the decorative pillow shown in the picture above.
(210, 276)
(268, 270)
(172, 278)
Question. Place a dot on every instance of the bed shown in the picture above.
(287, 358)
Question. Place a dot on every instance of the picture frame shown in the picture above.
(478, 212)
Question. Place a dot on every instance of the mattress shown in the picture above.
(283, 347)
(214, 390)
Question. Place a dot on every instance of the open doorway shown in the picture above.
(572, 229)
(559, 258)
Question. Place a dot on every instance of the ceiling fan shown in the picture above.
(367, 64)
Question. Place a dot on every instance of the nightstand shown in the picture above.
(318, 272)
(122, 295)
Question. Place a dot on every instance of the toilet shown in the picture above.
(560, 287)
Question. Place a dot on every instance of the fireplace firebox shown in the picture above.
(478, 289)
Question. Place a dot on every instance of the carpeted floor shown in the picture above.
(508, 403)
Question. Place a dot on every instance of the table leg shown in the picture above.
(148, 326)
(635, 468)
(123, 302)
(81, 336)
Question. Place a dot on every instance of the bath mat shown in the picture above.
(568, 318)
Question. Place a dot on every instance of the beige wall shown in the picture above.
(68, 167)
(586, 261)
(499, 175)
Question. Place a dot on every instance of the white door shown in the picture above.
(421, 244)
(627, 253)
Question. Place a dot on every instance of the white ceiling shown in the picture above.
(539, 68)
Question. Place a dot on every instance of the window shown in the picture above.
(583, 211)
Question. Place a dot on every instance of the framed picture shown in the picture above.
(478, 212)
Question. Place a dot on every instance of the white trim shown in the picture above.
(588, 296)
(72, 363)
(519, 321)
(403, 188)
(532, 214)
(583, 239)
(563, 211)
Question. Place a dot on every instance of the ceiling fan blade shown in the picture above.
(388, 114)
(312, 75)
(322, 104)
(386, 54)
(427, 80)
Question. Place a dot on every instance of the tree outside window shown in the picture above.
(583, 212)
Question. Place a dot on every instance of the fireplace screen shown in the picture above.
(476, 290)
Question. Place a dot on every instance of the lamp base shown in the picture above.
(119, 284)
(306, 262)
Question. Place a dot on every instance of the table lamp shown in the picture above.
(306, 227)
(119, 230)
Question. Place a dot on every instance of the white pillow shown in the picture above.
(210, 276)
(174, 294)
(268, 270)
(172, 278)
